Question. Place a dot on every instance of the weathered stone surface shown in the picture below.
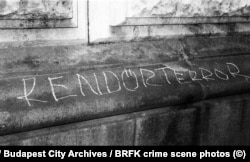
(111, 131)
(21, 57)
(224, 121)
(185, 20)
(137, 32)
(39, 100)
(220, 121)
(167, 128)
(134, 19)
(188, 8)
(50, 88)
(36, 9)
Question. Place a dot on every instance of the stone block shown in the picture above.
(187, 8)
(36, 9)
(111, 131)
(224, 121)
(169, 128)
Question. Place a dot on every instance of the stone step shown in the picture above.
(185, 20)
(166, 30)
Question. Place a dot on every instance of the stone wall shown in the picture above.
(43, 20)
(188, 8)
(140, 19)
(36, 9)
(93, 20)
(221, 122)
(188, 90)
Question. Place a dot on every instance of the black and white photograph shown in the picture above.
(124, 78)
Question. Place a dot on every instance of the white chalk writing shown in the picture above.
(52, 85)
(165, 73)
(219, 74)
(193, 76)
(129, 73)
(146, 83)
(206, 74)
(108, 82)
(235, 71)
(27, 94)
(86, 81)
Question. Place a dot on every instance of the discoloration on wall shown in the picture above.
(36, 9)
(188, 8)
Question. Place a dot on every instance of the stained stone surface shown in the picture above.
(188, 8)
(36, 9)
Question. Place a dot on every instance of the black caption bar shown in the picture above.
(107, 152)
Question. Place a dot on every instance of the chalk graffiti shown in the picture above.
(236, 72)
(219, 74)
(27, 94)
(87, 82)
(53, 85)
(129, 73)
(146, 80)
(109, 82)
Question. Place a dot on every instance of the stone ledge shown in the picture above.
(21, 57)
(55, 85)
(185, 20)
(35, 100)
(193, 124)
(135, 31)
